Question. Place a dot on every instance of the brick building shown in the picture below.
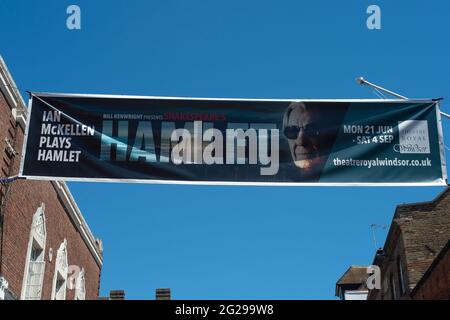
(415, 260)
(47, 250)
(418, 233)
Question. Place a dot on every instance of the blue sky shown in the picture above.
(212, 242)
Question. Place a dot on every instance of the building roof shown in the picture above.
(354, 276)
(407, 208)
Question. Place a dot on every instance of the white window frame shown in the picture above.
(35, 270)
(80, 286)
(61, 269)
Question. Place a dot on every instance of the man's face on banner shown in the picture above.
(308, 142)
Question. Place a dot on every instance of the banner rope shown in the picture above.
(379, 93)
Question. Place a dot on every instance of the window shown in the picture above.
(393, 289)
(80, 286)
(35, 262)
(60, 277)
(401, 276)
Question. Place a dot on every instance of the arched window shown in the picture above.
(80, 286)
(35, 263)
(60, 277)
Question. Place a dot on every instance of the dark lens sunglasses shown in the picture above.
(311, 131)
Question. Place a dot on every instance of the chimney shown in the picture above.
(117, 295)
(162, 294)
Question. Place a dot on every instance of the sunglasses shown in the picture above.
(310, 130)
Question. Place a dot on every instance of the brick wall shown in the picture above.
(22, 201)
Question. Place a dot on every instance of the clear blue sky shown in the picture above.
(232, 242)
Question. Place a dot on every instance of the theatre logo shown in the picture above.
(413, 137)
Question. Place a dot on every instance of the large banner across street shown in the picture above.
(233, 141)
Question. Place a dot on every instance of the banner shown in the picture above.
(233, 141)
